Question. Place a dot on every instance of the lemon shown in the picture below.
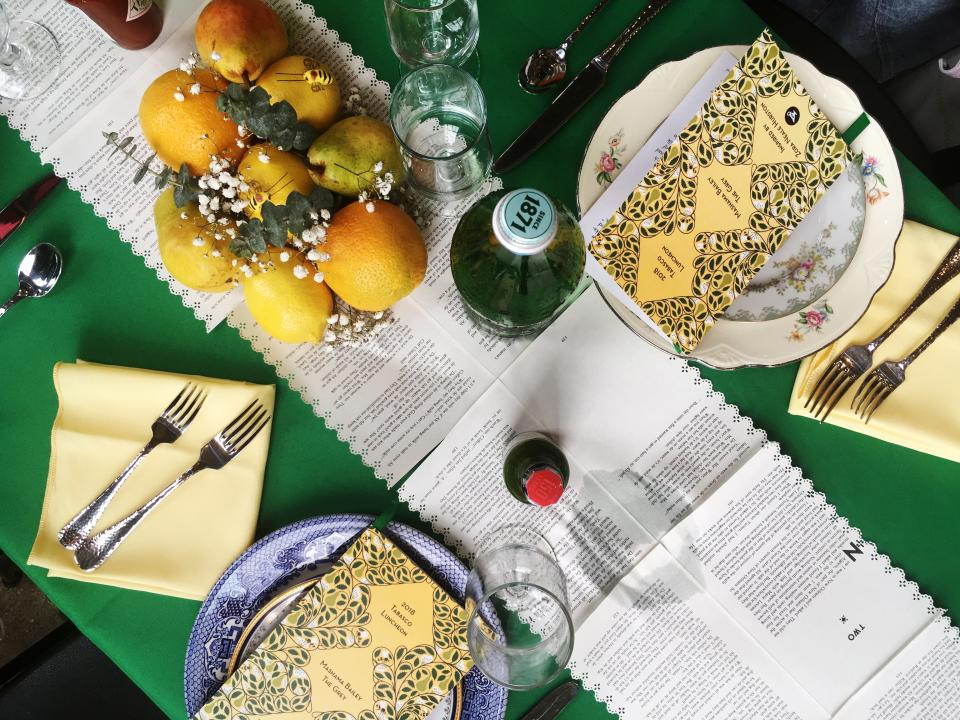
(291, 309)
(272, 174)
(376, 257)
(207, 267)
(307, 85)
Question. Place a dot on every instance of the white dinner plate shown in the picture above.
(822, 280)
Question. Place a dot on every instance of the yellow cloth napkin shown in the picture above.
(922, 414)
(185, 544)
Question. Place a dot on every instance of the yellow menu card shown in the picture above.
(375, 638)
(723, 197)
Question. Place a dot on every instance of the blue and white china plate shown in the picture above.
(290, 557)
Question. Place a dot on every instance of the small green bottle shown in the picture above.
(535, 470)
(517, 256)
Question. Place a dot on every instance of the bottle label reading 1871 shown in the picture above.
(528, 214)
(136, 8)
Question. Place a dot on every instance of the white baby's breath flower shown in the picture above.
(263, 157)
(217, 236)
(329, 336)
(198, 241)
(378, 315)
(370, 207)
(185, 66)
(344, 321)
(195, 89)
(318, 277)
(254, 258)
(215, 56)
(323, 257)
(300, 272)
(325, 214)
(238, 206)
(231, 233)
(246, 270)
(313, 255)
(358, 326)
(242, 130)
(178, 96)
(215, 253)
(224, 221)
(378, 167)
(183, 216)
(284, 256)
(313, 216)
(229, 192)
(332, 320)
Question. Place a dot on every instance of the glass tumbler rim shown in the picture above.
(561, 661)
(408, 5)
(431, 68)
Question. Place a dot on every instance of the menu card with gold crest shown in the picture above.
(722, 198)
(375, 638)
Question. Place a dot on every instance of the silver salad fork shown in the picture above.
(166, 429)
(857, 359)
(888, 376)
(227, 444)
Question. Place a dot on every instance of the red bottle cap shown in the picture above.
(544, 486)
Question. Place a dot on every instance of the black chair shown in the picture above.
(64, 675)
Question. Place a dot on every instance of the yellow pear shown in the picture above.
(307, 86)
(272, 174)
(205, 266)
(240, 38)
(344, 156)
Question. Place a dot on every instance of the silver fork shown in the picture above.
(888, 376)
(857, 359)
(166, 429)
(227, 444)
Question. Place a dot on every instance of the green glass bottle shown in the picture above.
(535, 470)
(517, 256)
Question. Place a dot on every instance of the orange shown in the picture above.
(188, 130)
(376, 257)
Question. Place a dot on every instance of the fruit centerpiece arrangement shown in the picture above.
(267, 185)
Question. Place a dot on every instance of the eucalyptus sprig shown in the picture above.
(298, 214)
(185, 186)
(276, 123)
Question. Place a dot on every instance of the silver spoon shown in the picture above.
(39, 271)
(548, 66)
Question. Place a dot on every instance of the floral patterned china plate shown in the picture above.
(822, 279)
(262, 585)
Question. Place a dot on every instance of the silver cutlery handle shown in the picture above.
(949, 319)
(587, 19)
(623, 39)
(95, 550)
(77, 530)
(948, 269)
(14, 299)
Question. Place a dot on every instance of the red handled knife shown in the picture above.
(13, 215)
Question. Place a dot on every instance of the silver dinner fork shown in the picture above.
(857, 359)
(166, 429)
(225, 446)
(888, 376)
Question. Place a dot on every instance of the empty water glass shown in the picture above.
(424, 32)
(439, 115)
(29, 58)
(519, 630)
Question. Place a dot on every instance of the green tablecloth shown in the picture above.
(110, 308)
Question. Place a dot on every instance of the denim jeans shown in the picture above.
(886, 37)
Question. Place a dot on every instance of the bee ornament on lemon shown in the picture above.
(315, 76)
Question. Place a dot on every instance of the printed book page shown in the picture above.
(794, 575)
(460, 489)
(921, 683)
(660, 647)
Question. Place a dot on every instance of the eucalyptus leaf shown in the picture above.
(187, 188)
(126, 141)
(321, 199)
(141, 173)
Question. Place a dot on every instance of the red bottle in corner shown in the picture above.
(133, 24)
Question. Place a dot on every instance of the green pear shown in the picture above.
(344, 157)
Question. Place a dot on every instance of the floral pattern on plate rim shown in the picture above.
(869, 168)
(609, 162)
(811, 320)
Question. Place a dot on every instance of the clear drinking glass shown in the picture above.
(439, 115)
(423, 32)
(29, 58)
(520, 632)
